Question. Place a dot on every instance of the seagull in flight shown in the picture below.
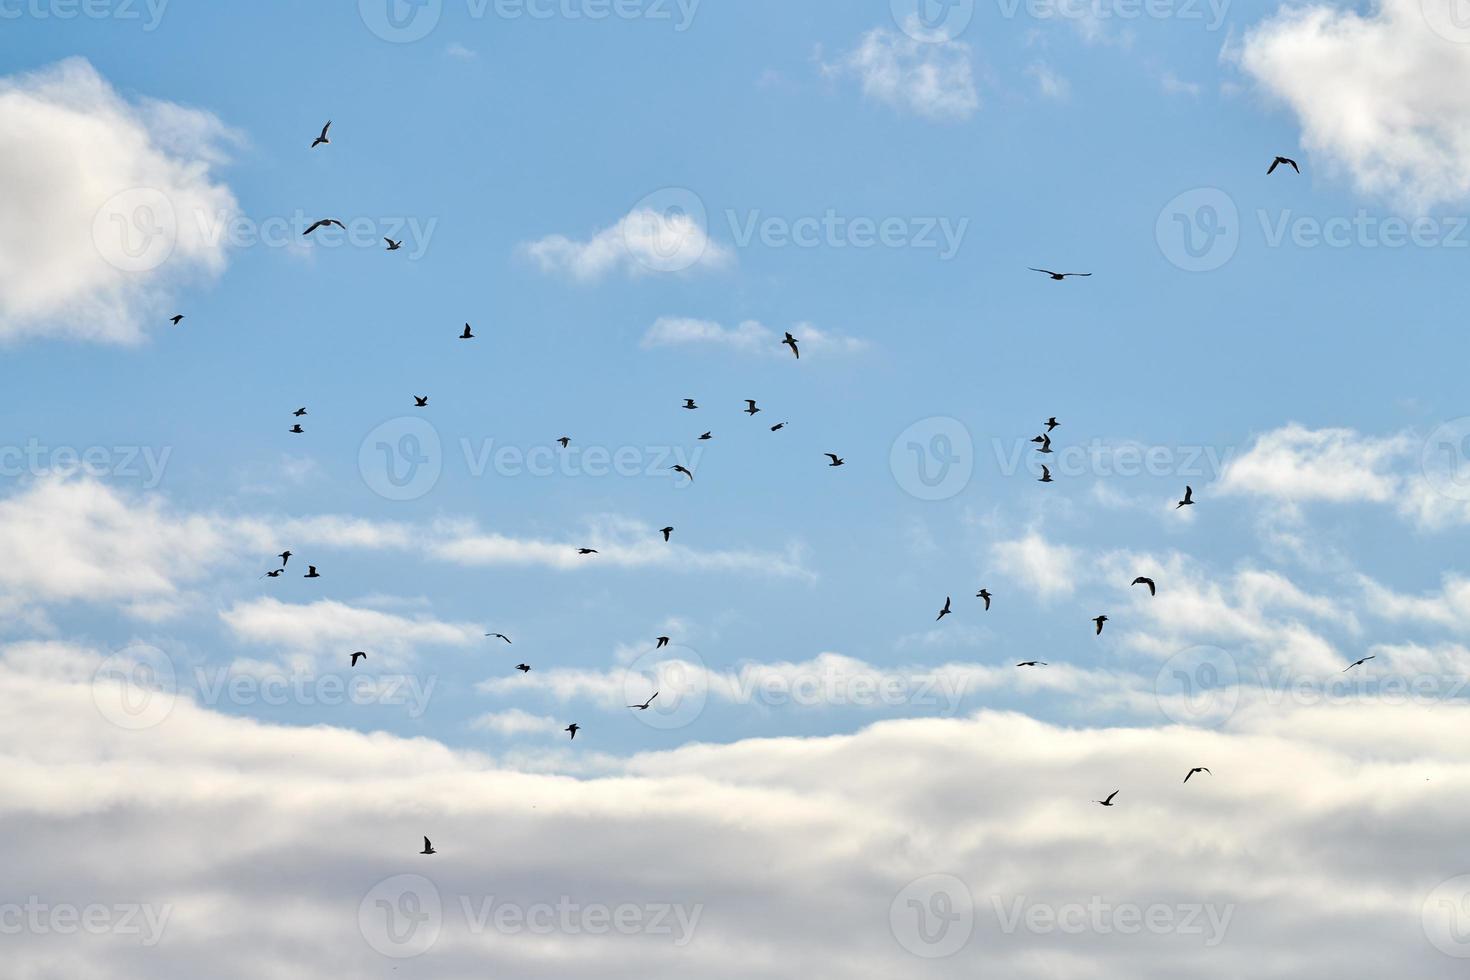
(667, 532)
(836, 460)
(311, 572)
(646, 704)
(689, 404)
(1109, 800)
(1099, 621)
(176, 318)
(663, 641)
(574, 728)
(468, 333)
(1195, 770)
(297, 429)
(1052, 424)
(945, 611)
(499, 636)
(523, 668)
(324, 223)
(750, 408)
(275, 574)
(1059, 276)
(587, 551)
(984, 594)
(706, 437)
(323, 137)
(1045, 475)
(1279, 161)
(358, 656)
(1152, 588)
(300, 412)
(684, 470)
(1033, 663)
(1360, 663)
(1188, 500)
(392, 245)
(778, 426)
(1045, 442)
(285, 557)
(565, 441)
(791, 342)
(420, 402)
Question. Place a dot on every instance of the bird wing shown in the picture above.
(1274, 164)
(1046, 272)
(1114, 793)
(1294, 166)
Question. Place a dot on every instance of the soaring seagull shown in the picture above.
(323, 137)
(1279, 161)
(1059, 276)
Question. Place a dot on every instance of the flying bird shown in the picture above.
(836, 460)
(1099, 621)
(420, 402)
(324, 223)
(1045, 475)
(706, 437)
(300, 412)
(523, 668)
(1059, 276)
(1279, 161)
(1052, 424)
(468, 333)
(1152, 588)
(663, 641)
(285, 557)
(392, 245)
(646, 704)
(1360, 663)
(587, 551)
(945, 611)
(689, 404)
(1045, 442)
(684, 470)
(791, 342)
(323, 137)
(750, 408)
(176, 319)
(565, 441)
(297, 429)
(1188, 500)
(1195, 770)
(984, 594)
(275, 574)
(778, 426)
(667, 532)
(1033, 663)
(574, 729)
(499, 636)
(311, 572)
(1109, 800)
(358, 656)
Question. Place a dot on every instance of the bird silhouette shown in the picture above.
(1059, 276)
(1109, 800)
(1100, 620)
(574, 729)
(565, 441)
(498, 636)
(1033, 663)
(646, 704)
(750, 408)
(428, 848)
(778, 426)
(176, 319)
(285, 557)
(587, 551)
(1188, 500)
(1195, 770)
(1052, 424)
(468, 333)
(706, 437)
(984, 594)
(1359, 663)
(791, 342)
(311, 572)
(420, 402)
(297, 429)
(1045, 475)
(836, 460)
(689, 404)
(523, 668)
(945, 611)
(1045, 442)
(323, 137)
(663, 641)
(300, 412)
(684, 470)
(1152, 588)
(392, 245)
(275, 574)
(667, 532)
(1279, 161)
(324, 223)
(358, 656)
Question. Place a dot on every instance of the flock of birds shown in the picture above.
(1044, 441)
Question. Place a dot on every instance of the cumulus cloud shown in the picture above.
(1048, 569)
(1382, 91)
(932, 77)
(749, 337)
(644, 242)
(108, 205)
(322, 631)
(208, 820)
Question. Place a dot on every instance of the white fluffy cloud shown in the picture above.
(931, 77)
(646, 241)
(1382, 91)
(107, 205)
(750, 337)
(270, 852)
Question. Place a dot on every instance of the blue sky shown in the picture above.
(1287, 345)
